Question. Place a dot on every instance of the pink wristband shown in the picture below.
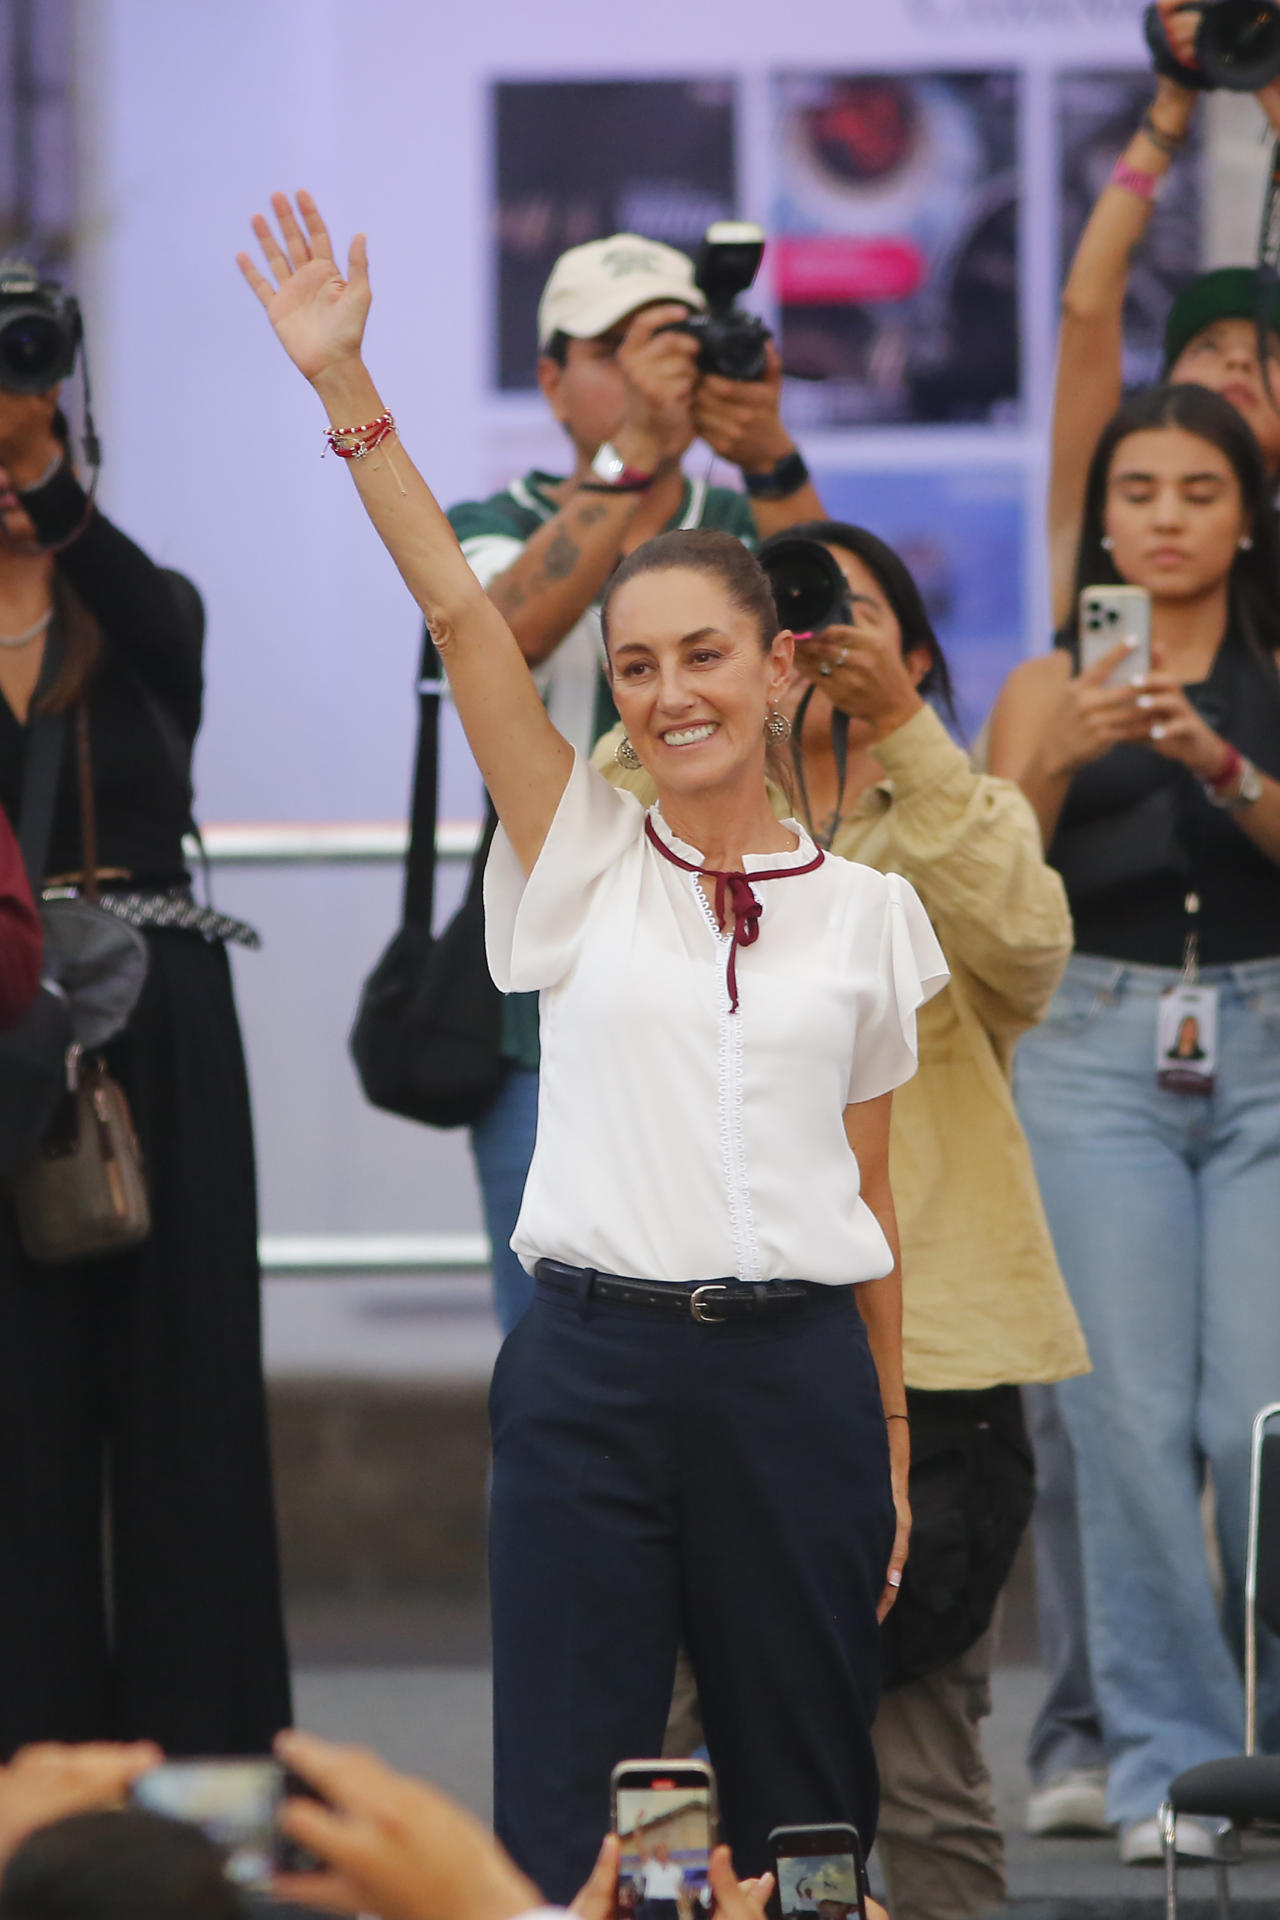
(1134, 180)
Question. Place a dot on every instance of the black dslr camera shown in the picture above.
(809, 590)
(40, 330)
(731, 341)
(1237, 44)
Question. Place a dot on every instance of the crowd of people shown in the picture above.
(800, 1354)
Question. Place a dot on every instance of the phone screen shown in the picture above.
(665, 1829)
(234, 1802)
(819, 1886)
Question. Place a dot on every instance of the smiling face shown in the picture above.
(1174, 511)
(692, 678)
(1225, 358)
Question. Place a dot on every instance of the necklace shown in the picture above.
(32, 633)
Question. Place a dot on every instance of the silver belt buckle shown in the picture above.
(698, 1306)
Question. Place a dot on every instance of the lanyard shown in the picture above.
(1191, 944)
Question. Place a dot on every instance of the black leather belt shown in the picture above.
(710, 1302)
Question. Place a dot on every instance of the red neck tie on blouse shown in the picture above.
(746, 908)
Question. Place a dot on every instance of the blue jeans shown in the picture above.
(1165, 1211)
(1067, 1735)
(502, 1147)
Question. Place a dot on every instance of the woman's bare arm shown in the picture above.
(1090, 344)
(319, 319)
(866, 1126)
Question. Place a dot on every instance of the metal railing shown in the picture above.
(348, 843)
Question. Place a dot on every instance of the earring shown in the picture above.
(1246, 543)
(626, 756)
(1107, 543)
(778, 727)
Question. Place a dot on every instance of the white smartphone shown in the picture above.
(1109, 615)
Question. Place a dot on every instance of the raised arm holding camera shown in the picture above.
(639, 351)
(1211, 337)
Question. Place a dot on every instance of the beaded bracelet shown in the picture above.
(1168, 143)
(366, 438)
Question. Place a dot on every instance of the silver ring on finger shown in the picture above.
(826, 669)
(842, 656)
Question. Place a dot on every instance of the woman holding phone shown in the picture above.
(705, 1401)
(1159, 802)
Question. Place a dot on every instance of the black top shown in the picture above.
(144, 696)
(1137, 834)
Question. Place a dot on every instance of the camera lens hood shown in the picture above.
(809, 590)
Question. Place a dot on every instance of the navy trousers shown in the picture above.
(655, 1479)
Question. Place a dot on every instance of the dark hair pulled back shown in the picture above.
(1254, 581)
(703, 550)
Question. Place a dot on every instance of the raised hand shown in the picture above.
(46, 1783)
(1092, 717)
(318, 316)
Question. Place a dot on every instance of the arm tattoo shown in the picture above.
(561, 558)
(588, 516)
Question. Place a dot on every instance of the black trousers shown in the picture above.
(139, 1593)
(655, 1478)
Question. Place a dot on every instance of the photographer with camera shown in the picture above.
(878, 780)
(1211, 337)
(138, 1583)
(633, 387)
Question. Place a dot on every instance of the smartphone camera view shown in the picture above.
(234, 1802)
(819, 1874)
(665, 1826)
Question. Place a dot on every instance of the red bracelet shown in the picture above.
(1230, 775)
(365, 438)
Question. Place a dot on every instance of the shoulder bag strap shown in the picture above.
(420, 861)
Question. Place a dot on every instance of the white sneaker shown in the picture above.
(1074, 1802)
(1140, 1843)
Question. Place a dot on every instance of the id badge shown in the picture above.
(1187, 1039)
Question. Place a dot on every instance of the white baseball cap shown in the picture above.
(592, 287)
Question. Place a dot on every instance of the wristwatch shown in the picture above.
(1244, 790)
(613, 475)
(780, 481)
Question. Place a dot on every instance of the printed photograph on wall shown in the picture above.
(1097, 115)
(574, 160)
(961, 531)
(895, 249)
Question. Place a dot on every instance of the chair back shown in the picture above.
(1262, 1569)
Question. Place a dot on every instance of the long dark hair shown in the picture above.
(1254, 582)
(895, 581)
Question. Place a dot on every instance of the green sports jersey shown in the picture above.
(491, 533)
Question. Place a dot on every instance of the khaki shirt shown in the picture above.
(983, 1301)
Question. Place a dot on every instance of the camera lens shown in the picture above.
(808, 587)
(1238, 44)
(30, 344)
(1113, 615)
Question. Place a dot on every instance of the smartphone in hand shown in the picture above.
(820, 1872)
(664, 1813)
(236, 1804)
(1109, 615)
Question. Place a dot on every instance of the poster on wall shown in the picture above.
(895, 257)
(1097, 115)
(961, 531)
(575, 160)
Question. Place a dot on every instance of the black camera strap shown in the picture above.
(839, 747)
(420, 860)
(1267, 280)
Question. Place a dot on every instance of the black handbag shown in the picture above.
(972, 1488)
(427, 1037)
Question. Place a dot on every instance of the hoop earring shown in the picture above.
(778, 727)
(626, 756)
(1107, 543)
(1246, 543)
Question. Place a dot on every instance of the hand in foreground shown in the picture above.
(862, 670)
(318, 316)
(739, 419)
(1091, 717)
(392, 1845)
(47, 1783)
(1181, 23)
(1176, 731)
(598, 1899)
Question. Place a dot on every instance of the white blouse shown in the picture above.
(677, 1140)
